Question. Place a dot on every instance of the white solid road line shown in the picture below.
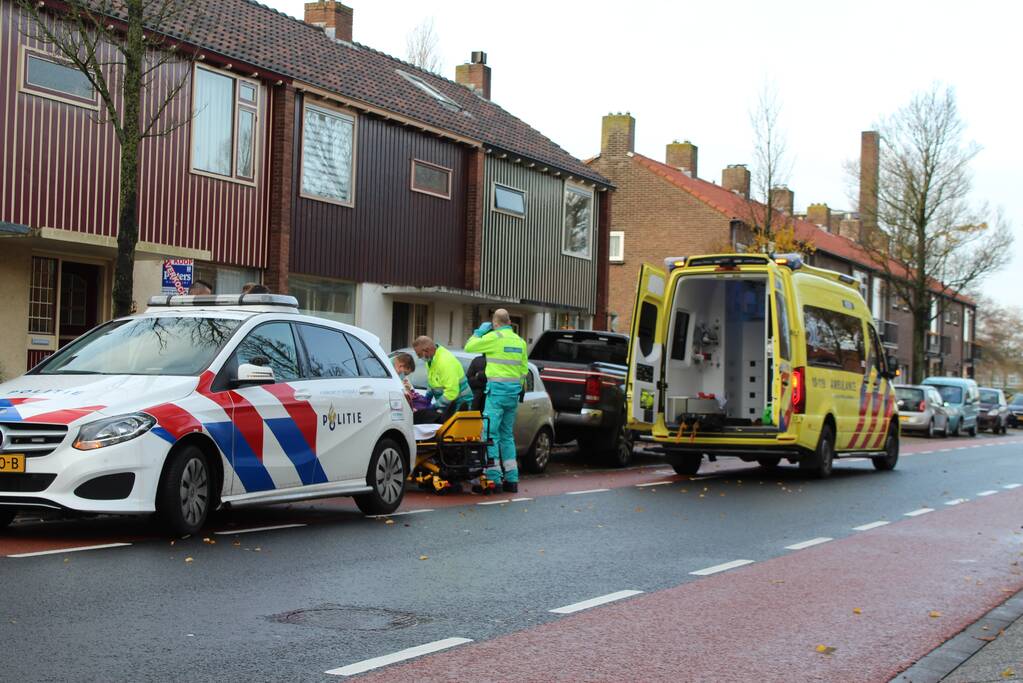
(987, 493)
(917, 513)
(654, 483)
(398, 514)
(400, 656)
(1012, 486)
(872, 525)
(579, 493)
(956, 501)
(807, 544)
(232, 532)
(721, 567)
(593, 602)
(504, 500)
(61, 551)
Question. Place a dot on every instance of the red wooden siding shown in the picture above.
(59, 169)
(392, 235)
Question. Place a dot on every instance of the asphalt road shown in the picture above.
(338, 589)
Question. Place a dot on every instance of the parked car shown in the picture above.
(994, 411)
(534, 421)
(204, 402)
(962, 394)
(585, 375)
(1016, 410)
(921, 409)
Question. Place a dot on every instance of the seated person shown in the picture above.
(423, 411)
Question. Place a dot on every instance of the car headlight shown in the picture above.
(107, 432)
(993, 412)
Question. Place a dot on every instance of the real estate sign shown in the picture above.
(177, 275)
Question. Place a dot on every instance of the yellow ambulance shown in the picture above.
(760, 357)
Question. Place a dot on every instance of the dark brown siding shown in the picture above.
(392, 235)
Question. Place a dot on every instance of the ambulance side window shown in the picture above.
(876, 351)
(272, 345)
(647, 327)
(328, 352)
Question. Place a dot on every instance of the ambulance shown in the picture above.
(205, 402)
(759, 357)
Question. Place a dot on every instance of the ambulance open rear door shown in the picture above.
(646, 350)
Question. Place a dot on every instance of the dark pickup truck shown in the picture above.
(584, 372)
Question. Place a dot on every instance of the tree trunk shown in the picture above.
(921, 326)
(130, 141)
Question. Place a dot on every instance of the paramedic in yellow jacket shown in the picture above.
(445, 375)
(506, 370)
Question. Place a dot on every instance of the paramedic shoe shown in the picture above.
(485, 490)
(511, 487)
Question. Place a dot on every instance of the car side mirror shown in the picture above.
(249, 373)
(946, 404)
(893, 366)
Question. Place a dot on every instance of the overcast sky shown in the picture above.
(692, 70)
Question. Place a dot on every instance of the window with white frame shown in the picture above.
(431, 179)
(616, 250)
(225, 112)
(967, 332)
(934, 316)
(509, 200)
(328, 154)
(577, 234)
(877, 297)
(42, 296)
(49, 76)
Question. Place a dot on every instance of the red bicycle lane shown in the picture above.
(882, 599)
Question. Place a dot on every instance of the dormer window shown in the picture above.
(444, 100)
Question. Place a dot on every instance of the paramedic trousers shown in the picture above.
(502, 403)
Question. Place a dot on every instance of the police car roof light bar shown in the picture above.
(224, 300)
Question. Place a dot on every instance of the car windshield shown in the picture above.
(910, 398)
(951, 394)
(580, 348)
(988, 396)
(145, 346)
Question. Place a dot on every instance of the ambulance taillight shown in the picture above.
(799, 390)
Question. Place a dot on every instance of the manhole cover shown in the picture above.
(348, 618)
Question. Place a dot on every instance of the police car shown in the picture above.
(203, 402)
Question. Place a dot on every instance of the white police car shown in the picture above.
(202, 402)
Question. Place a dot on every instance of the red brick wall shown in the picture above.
(474, 220)
(659, 220)
(282, 130)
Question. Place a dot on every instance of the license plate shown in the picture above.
(12, 462)
(903, 417)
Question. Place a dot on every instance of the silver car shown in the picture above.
(921, 409)
(534, 421)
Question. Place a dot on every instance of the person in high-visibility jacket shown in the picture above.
(445, 375)
(506, 372)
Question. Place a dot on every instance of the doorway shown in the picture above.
(79, 308)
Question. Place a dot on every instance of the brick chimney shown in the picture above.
(334, 18)
(736, 178)
(819, 214)
(870, 161)
(682, 155)
(475, 74)
(782, 199)
(617, 135)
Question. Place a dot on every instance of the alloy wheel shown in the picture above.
(194, 491)
(542, 450)
(390, 474)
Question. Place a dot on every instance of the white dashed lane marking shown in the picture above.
(721, 567)
(1012, 486)
(579, 493)
(921, 511)
(395, 657)
(654, 483)
(593, 602)
(956, 501)
(868, 527)
(61, 551)
(232, 532)
(398, 514)
(504, 500)
(807, 544)
(987, 493)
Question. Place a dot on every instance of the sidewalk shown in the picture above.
(989, 651)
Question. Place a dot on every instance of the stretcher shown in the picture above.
(450, 453)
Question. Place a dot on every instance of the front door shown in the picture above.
(79, 300)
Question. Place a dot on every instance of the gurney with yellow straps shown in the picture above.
(455, 452)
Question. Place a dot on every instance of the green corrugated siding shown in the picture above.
(522, 256)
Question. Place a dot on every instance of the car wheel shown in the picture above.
(620, 452)
(769, 463)
(185, 492)
(6, 517)
(930, 429)
(539, 453)
(972, 431)
(687, 465)
(890, 458)
(955, 429)
(819, 464)
(386, 479)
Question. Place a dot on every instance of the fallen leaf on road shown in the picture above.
(777, 581)
(424, 557)
(188, 559)
(237, 543)
(934, 614)
(986, 639)
(389, 521)
(1008, 673)
(825, 649)
(638, 509)
(857, 610)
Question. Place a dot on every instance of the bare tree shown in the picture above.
(421, 47)
(931, 241)
(121, 48)
(1000, 336)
